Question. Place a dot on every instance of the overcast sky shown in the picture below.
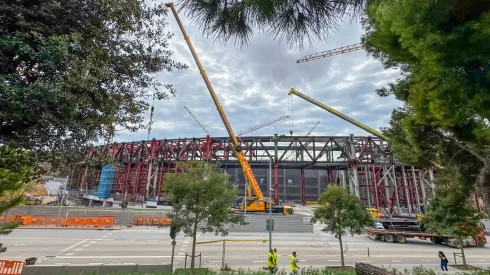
(253, 84)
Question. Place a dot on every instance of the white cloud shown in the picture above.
(252, 85)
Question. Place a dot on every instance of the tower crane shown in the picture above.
(313, 128)
(260, 126)
(259, 203)
(198, 122)
(337, 51)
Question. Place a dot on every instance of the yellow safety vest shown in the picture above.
(270, 260)
(292, 263)
(275, 258)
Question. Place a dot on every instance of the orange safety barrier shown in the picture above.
(151, 221)
(11, 267)
(107, 221)
(68, 222)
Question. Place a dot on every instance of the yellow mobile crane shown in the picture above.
(339, 114)
(259, 203)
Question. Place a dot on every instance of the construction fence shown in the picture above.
(55, 216)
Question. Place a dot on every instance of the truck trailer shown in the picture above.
(398, 231)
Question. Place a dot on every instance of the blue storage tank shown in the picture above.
(106, 181)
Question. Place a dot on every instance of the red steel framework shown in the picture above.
(363, 164)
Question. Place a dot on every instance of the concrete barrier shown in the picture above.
(89, 269)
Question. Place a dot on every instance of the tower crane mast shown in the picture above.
(260, 126)
(198, 122)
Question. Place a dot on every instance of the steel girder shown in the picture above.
(370, 170)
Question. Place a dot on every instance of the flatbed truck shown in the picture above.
(401, 237)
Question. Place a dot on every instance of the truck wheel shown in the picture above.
(401, 239)
(436, 240)
(389, 238)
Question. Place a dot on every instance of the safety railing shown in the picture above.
(33, 221)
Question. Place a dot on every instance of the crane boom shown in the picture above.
(198, 122)
(337, 51)
(237, 149)
(339, 114)
(313, 128)
(260, 126)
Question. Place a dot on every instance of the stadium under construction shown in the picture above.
(301, 168)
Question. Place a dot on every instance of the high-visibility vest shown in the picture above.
(270, 260)
(292, 263)
(275, 258)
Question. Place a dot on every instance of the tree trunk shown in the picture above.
(483, 183)
(461, 245)
(341, 251)
(194, 236)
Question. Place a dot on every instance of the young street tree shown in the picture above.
(72, 69)
(451, 212)
(442, 50)
(202, 199)
(342, 213)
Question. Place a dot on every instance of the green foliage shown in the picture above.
(344, 213)
(442, 50)
(16, 172)
(341, 213)
(202, 199)
(451, 211)
(289, 20)
(72, 69)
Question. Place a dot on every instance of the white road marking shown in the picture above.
(365, 261)
(115, 257)
(78, 249)
(131, 240)
(63, 263)
(69, 254)
(260, 261)
(96, 263)
(129, 263)
(92, 242)
(181, 253)
(19, 244)
(86, 245)
(75, 245)
(333, 260)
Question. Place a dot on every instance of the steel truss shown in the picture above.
(364, 165)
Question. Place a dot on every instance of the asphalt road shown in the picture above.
(153, 246)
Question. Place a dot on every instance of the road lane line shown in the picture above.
(260, 261)
(75, 245)
(333, 260)
(96, 263)
(69, 254)
(115, 257)
(78, 249)
(86, 245)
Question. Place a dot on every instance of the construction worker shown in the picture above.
(275, 260)
(292, 264)
(270, 261)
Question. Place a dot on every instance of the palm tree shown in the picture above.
(292, 21)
